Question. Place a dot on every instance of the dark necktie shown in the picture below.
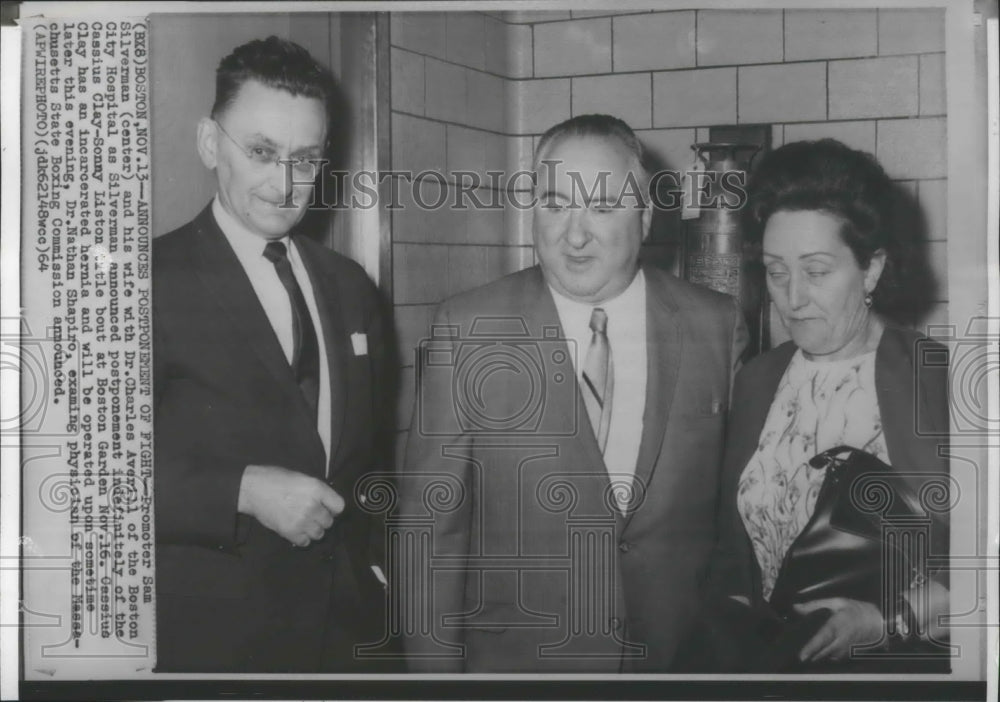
(599, 377)
(305, 356)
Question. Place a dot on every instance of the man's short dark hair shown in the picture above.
(276, 63)
(599, 126)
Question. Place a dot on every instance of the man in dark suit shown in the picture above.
(268, 354)
(562, 469)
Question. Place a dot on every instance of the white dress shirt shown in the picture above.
(249, 248)
(627, 337)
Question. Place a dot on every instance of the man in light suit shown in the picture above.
(561, 475)
(268, 354)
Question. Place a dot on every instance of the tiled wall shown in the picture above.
(871, 78)
(475, 90)
(450, 74)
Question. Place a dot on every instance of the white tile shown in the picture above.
(913, 148)
(407, 81)
(654, 41)
(420, 273)
(624, 96)
(694, 98)
(486, 224)
(486, 100)
(518, 218)
(466, 150)
(446, 91)
(782, 93)
(738, 36)
(444, 222)
(538, 104)
(473, 152)
(932, 85)
(417, 144)
(495, 151)
(819, 34)
(409, 224)
(466, 268)
(466, 37)
(520, 51)
(508, 48)
(495, 49)
(910, 31)
(573, 48)
(423, 32)
(669, 148)
(878, 87)
(519, 153)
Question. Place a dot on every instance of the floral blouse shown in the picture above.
(818, 405)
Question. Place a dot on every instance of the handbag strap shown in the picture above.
(835, 461)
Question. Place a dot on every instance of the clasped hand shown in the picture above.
(851, 623)
(296, 506)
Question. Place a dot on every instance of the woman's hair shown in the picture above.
(833, 178)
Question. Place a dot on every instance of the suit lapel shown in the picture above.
(334, 338)
(664, 347)
(896, 387)
(752, 414)
(222, 275)
(540, 312)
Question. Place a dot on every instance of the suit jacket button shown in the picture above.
(623, 546)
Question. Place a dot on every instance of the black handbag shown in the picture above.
(843, 551)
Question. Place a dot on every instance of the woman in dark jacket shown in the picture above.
(847, 377)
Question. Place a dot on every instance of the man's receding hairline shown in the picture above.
(633, 158)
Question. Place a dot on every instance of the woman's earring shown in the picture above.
(868, 299)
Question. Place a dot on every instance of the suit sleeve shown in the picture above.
(435, 488)
(931, 440)
(382, 348)
(730, 570)
(196, 494)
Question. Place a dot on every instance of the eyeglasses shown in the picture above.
(262, 156)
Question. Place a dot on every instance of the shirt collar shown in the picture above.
(629, 301)
(245, 243)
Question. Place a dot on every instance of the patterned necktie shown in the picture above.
(599, 378)
(305, 354)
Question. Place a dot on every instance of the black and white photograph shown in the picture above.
(574, 350)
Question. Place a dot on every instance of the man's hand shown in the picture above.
(852, 623)
(298, 507)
